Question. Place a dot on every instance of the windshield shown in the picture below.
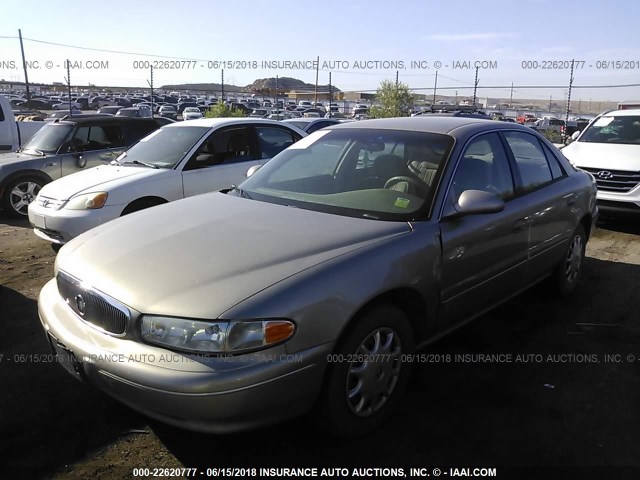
(614, 129)
(379, 174)
(49, 138)
(165, 147)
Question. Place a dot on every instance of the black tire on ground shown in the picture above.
(19, 193)
(138, 205)
(56, 247)
(566, 275)
(358, 395)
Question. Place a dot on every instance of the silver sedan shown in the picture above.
(310, 286)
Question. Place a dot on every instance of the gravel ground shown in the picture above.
(459, 411)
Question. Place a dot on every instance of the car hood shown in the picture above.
(603, 155)
(200, 256)
(94, 179)
(9, 158)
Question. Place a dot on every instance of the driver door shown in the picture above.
(91, 146)
(220, 161)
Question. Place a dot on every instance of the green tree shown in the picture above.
(393, 100)
(221, 110)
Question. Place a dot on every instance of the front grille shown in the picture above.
(48, 202)
(93, 307)
(620, 181)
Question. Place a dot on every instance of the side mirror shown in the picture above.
(575, 135)
(253, 170)
(81, 161)
(475, 202)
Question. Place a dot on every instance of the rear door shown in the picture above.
(542, 182)
(483, 256)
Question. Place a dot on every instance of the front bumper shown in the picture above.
(209, 394)
(60, 226)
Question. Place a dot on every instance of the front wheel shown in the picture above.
(19, 193)
(567, 272)
(368, 378)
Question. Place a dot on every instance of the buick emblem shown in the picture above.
(80, 304)
(604, 175)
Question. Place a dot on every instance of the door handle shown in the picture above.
(50, 164)
(571, 199)
(520, 224)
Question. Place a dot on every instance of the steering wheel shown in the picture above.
(417, 184)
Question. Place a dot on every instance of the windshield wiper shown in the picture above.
(240, 191)
(138, 162)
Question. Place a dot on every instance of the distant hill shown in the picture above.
(265, 86)
(286, 84)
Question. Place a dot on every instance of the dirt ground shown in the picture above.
(577, 408)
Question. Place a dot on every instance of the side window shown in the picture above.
(554, 164)
(318, 126)
(134, 131)
(530, 158)
(106, 136)
(272, 140)
(484, 166)
(229, 145)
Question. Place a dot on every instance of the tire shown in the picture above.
(19, 193)
(358, 396)
(567, 272)
(138, 205)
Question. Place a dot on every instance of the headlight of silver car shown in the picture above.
(214, 337)
(88, 201)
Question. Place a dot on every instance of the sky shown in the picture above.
(360, 42)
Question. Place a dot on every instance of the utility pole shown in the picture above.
(151, 86)
(435, 86)
(550, 98)
(222, 87)
(330, 95)
(475, 86)
(24, 65)
(511, 96)
(277, 92)
(68, 80)
(315, 94)
(456, 97)
(566, 119)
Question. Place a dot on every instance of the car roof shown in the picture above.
(434, 124)
(214, 122)
(632, 112)
(103, 118)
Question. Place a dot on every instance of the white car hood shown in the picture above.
(100, 178)
(607, 156)
(200, 256)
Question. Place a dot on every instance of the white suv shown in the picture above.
(609, 149)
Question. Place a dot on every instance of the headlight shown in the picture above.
(89, 201)
(214, 337)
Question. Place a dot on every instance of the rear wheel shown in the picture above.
(368, 377)
(19, 193)
(567, 273)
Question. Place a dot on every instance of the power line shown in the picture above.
(105, 50)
